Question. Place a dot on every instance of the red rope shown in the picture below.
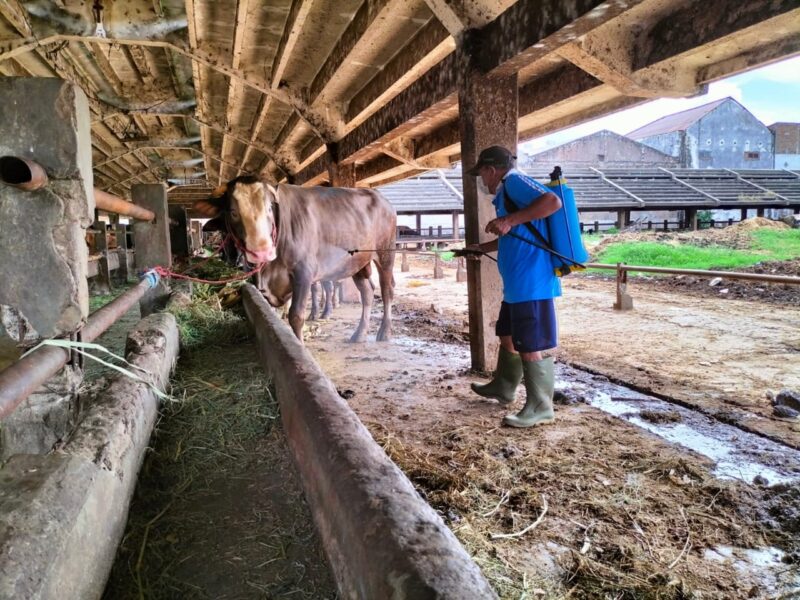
(164, 272)
(168, 273)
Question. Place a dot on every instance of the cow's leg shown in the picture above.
(314, 302)
(361, 279)
(301, 286)
(385, 264)
(327, 287)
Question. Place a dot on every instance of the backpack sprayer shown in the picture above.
(565, 245)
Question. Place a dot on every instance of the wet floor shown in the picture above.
(737, 454)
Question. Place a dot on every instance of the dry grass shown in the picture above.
(620, 524)
(217, 512)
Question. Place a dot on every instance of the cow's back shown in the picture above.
(319, 225)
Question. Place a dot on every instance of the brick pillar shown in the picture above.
(488, 114)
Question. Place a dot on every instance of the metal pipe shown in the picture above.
(22, 173)
(115, 204)
(724, 274)
(21, 379)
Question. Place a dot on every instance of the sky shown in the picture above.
(771, 93)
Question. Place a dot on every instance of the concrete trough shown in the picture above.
(62, 515)
(381, 538)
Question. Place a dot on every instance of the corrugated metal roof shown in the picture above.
(676, 122)
(611, 189)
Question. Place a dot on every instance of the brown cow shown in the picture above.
(303, 235)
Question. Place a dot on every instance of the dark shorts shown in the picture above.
(531, 325)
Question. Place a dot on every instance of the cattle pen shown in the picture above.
(166, 433)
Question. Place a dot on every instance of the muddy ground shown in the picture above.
(624, 513)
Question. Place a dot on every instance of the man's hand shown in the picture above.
(471, 251)
(500, 225)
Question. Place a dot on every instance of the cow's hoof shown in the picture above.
(327, 314)
(357, 339)
(384, 337)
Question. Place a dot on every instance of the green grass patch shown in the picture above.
(780, 244)
(767, 245)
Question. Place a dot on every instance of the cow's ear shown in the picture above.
(272, 190)
(210, 208)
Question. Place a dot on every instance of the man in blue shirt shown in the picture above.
(527, 324)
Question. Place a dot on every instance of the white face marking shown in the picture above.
(253, 211)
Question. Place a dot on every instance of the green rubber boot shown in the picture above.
(539, 384)
(506, 378)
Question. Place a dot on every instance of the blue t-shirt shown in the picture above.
(527, 271)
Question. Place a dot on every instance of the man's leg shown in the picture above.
(534, 328)
(508, 374)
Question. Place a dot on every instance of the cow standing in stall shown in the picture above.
(303, 235)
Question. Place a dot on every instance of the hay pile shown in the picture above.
(217, 510)
(619, 523)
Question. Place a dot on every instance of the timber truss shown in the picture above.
(361, 92)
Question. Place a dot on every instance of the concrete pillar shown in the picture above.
(122, 273)
(43, 255)
(101, 283)
(691, 219)
(744, 214)
(488, 114)
(197, 236)
(179, 241)
(455, 225)
(623, 218)
(152, 241)
(760, 212)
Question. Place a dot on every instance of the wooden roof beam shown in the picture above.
(298, 14)
(242, 13)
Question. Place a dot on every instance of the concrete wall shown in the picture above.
(62, 515)
(666, 143)
(599, 150)
(787, 161)
(382, 540)
(726, 134)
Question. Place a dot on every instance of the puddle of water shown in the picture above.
(737, 454)
(765, 564)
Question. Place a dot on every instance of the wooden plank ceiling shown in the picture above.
(194, 92)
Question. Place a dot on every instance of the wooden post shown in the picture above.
(624, 300)
(744, 214)
(666, 225)
(488, 115)
(197, 236)
(760, 212)
(438, 272)
(418, 216)
(404, 263)
(649, 225)
(597, 226)
(152, 241)
(461, 272)
(456, 232)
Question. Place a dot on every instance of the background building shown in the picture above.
(604, 149)
(787, 145)
(718, 135)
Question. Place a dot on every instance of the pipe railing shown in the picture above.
(26, 375)
(115, 204)
(29, 175)
(624, 268)
(22, 173)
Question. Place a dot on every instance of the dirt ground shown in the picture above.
(624, 514)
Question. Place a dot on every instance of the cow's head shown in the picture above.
(246, 205)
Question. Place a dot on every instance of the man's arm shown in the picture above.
(544, 206)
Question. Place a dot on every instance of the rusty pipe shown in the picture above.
(22, 173)
(115, 204)
(25, 376)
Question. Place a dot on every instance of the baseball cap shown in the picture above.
(493, 156)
